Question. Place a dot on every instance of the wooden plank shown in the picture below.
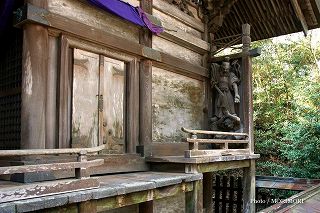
(97, 36)
(86, 98)
(194, 132)
(179, 15)
(186, 40)
(168, 149)
(218, 166)
(21, 152)
(142, 196)
(119, 163)
(215, 141)
(49, 167)
(215, 152)
(300, 16)
(27, 191)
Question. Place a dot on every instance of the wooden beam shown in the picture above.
(49, 167)
(142, 196)
(216, 166)
(249, 187)
(214, 152)
(300, 16)
(21, 152)
(177, 14)
(316, 10)
(252, 53)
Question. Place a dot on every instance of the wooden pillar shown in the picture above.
(194, 199)
(248, 172)
(207, 192)
(247, 84)
(249, 189)
(34, 83)
(132, 126)
(146, 207)
(145, 93)
(51, 103)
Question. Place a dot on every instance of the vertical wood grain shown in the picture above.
(145, 130)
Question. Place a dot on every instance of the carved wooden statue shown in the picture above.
(225, 78)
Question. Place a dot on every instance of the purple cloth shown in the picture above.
(6, 9)
(133, 14)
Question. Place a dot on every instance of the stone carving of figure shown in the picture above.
(225, 79)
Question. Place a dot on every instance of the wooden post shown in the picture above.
(146, 207)
(207, 192)
(145, 93)
(194, 199)
(132, 114)
(247, 84)
(248, 172)
(249, 183)
(34, 83)
(51, 103)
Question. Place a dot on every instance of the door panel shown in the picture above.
(85, 99)
(113, 90)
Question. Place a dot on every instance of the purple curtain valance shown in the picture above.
(133, 14)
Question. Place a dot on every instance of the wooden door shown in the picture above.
(85, 96)
(113, 114)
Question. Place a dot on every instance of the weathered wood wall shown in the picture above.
(90, 15)
(179, 97)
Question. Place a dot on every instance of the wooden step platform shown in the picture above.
(114, 191)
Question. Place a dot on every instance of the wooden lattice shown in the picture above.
(10, 87)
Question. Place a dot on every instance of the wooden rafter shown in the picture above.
(218, 9)
(300, 16)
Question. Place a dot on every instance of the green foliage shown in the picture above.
(286, 81)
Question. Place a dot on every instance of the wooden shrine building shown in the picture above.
(98, 114)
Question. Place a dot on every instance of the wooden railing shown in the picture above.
(80, 165)
(225, 149)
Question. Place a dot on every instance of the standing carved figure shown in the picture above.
(225, 79)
